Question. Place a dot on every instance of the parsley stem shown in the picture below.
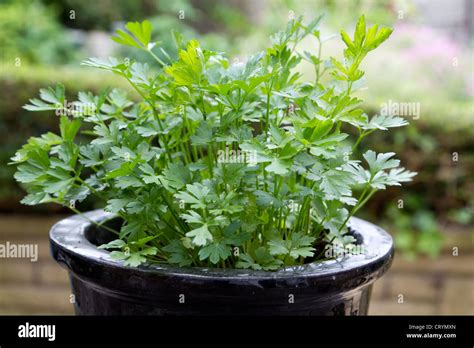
(100, 225)
(361, 201)
(362, 135)
(267, 113)
(210, 158)
(318, 67)
(156, 57)
(90, 188)
(358, 141)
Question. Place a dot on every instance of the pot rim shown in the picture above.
(68, 241)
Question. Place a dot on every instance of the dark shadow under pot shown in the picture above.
(103, 286)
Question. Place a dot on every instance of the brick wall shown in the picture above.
(441, 286)
(27, 287)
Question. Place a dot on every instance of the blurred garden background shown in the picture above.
(428, 62)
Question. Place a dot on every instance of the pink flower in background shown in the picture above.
(427, 43)
(470, 87)
(433, 51)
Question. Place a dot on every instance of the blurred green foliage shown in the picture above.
(30, 31)
(417, 233)
(203, 15)
(101, 15)
(440, 197)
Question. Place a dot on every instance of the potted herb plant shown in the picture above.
(227, 188)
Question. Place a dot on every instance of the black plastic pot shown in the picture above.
(103, 286)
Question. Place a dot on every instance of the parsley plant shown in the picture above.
(218, 164)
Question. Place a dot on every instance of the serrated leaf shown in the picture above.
(278, 166)
(381, 161)
(188, 69)
(178, 253)
(336, 183)
(347, 40)
(384, 121)
(27, 173)
(302, 252)
(200, 236)
(359, 34)
(192, 217)
(398, 175)
(36, 198)
(124, 182)
(133, 230)
(142, 31)
(115, 244)
(146, 132)
(135, 259)
(215, 252)
(69, 128)
(125, 39)
(277, 247)
(115, 205)
(176, 176)
(118, 255)
(195, 195)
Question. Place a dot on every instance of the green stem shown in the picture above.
(155, 115)
(180, 222)
(318, 68)
(203, 106)
(362, 200)
(90, 188)
(267, 113)
(210, 158)
(265, 186)
(76, 211)
(366, 199)
(361, 136)
(156, 57)
(186, 156)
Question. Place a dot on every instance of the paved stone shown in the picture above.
(20, 227)
(386, 307)
(411, 286)
(458, 297)
(16, 271)
(34, 299)
(50, 273)
(444, 264)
